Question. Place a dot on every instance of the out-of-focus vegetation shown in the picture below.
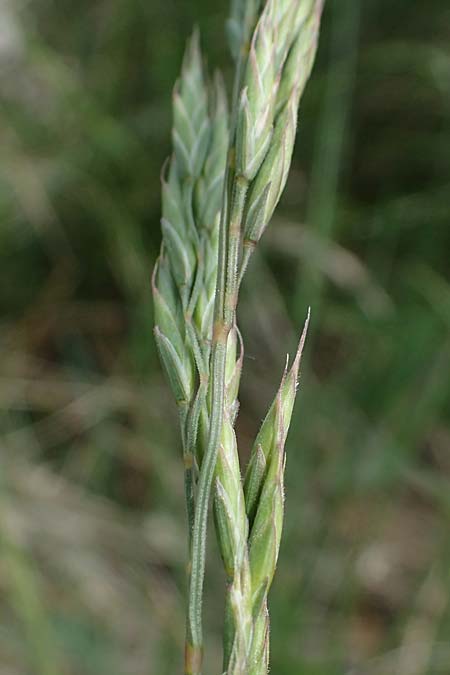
(92, 524)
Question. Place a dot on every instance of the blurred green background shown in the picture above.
(92, 524)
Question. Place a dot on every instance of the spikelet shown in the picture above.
(184, 277)
(264, 496)
(257, 99)
(296, 28)
(185, 274)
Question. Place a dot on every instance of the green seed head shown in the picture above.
(191, 127)
(209, 231)
(269, 183)
(272, 435)
(209, 187)
(256, 105)
(277, 69)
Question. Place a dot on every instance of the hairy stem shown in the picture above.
(224, 317)
(197, 572)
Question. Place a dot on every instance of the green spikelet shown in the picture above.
(256, 103)
(185, 275)
(296, 27)
(266, 189)
(264, 496)
(232, 525)
(191, 128)
(273, 433)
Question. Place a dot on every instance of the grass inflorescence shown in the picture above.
(220, 188)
